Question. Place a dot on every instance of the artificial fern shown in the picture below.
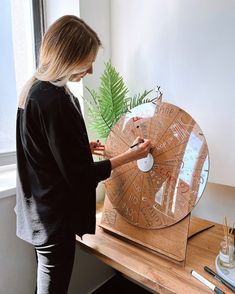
(138, 99)
(110, 102)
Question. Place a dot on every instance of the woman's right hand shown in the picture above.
(140, 148)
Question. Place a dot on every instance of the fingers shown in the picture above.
(147, 144)
(97, 153)
(96, 145)
(143, 144)
(141, 149)
(137, 141)
(97, 148)
(101, 147)
(145, 147)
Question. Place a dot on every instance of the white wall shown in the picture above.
(97, 15)
(17, 259)
(89, 273)
(217, 201)
(55, 9)
(187, 47)
(138, 37)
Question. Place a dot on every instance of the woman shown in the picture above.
(57, 177)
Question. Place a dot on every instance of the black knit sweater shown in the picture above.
(57, 176)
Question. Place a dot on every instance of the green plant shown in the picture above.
(110, 101)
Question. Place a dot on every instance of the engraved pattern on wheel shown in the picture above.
(164, 187)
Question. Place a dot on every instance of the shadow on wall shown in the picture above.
(17, 258)
(88, 273)
(216, 202)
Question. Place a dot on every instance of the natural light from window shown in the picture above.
(17, 64)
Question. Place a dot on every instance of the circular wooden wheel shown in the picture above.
(161, 189)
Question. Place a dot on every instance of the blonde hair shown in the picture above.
(68, 45)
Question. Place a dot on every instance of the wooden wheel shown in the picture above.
(161, 189)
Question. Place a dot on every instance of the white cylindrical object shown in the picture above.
(203, 280)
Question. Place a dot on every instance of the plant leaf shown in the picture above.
(110, 101)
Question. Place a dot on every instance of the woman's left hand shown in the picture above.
(97, 148)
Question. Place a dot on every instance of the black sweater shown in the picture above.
(57, 177)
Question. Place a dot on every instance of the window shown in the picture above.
(8, 88)
(17, 62)
(38, 24)
(22, 24)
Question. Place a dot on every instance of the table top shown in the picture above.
(155, 272)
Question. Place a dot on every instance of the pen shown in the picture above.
(206, 282)
(219, 278)
(132, 146)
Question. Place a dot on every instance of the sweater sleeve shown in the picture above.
(67, 137)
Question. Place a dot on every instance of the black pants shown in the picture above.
(55, 264)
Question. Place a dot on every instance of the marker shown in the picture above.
(219, 278)
(206, 282)
(132, 146)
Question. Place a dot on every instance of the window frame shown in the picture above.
(38, 20)
(7, 158)
(38, 13)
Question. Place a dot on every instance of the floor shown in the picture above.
(117, 284)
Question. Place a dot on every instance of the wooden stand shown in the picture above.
(154, 272)
(170, 242)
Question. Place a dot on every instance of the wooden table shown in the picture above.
(154, 271)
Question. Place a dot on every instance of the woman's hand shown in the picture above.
(97, 148)
(140, 148)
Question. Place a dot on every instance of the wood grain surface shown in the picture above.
(166, 192)
(170, 241)
(157, 273)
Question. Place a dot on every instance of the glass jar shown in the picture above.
(226, 254)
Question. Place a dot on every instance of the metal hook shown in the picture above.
(157, 99)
